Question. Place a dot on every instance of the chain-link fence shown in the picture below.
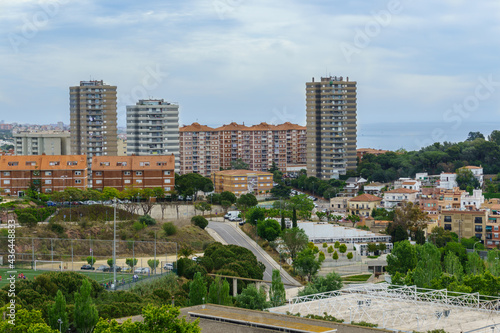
(74, 253)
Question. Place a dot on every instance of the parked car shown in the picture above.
(168, 266)
(51, 203)
(141, 270)
(242, 222)
(235, 218)
(103, 268)
(88, 267)
(189, 198)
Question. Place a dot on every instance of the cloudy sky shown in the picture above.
(426, 70)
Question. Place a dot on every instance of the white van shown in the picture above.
(232, 215)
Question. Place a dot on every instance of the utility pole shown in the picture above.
(114, 243)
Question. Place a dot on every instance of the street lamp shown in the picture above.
(114, 242)
(60, 323)
(474, 246)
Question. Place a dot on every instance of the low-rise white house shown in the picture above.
(474, 201)
(448, 180)
(394, 197)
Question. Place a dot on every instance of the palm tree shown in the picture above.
(185, 252)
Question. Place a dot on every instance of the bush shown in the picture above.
(169, 228)
(199, 221)
(27, 219)
(138, 226)
(147, 220)
(56, 227)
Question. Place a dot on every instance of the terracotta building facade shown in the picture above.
(205, 150)
(46, 173)
(243, 181)
(139, 172)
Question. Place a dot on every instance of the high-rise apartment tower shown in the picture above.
(153, 129)
(93, 119)
(331, 127)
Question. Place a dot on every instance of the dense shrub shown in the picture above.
(56, 227)
(199, 221)
(169, 228)
(147, 220)
(138, 226)
(27, 219)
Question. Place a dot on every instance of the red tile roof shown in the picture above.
(366, 197)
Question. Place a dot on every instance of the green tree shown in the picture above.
(372, 247)
(203, 207)
(131, 262)
(277, 293)
(494, 137)
(91, 260)
(197, 290)
(85, 312)
(238, 164)
(321, 256)
(255, 214)
(336, 244)
(189, 184)
(411, 217)
(402, 259)
(58, 311)
(493, 262)
(111, 262)
(319, 284)
(225, 205)
(440, 237)
(474, 135)
(245, 202)
(330, 249)
(283, 222)
(306, 263)
(453, 266)
(354, 219)
(26, 321)
(335, 256)
(186, 252)
(228, 196)
(281, 191)
(268, 229)
(466, 178)
(251, 298)
(475, 265)
(153, 264)
(428, 265)
(169, 228)
(294, 218)
(301, 204)
(294, 241)
(343, 248)
(218, 293)
(199, 221)
(349, 255)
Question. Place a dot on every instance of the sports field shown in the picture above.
(100, 277)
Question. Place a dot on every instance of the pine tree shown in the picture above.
(58, 311)
(294, 218)
(197, 290)
(85, 313)
(283, 224)
(277, 294)
(218, 292)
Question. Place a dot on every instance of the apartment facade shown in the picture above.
(331, 112)
(139, 172)
(153, 128)
(363, 204)
(43, 142)
(93, 119)
(47, 173)
(205, 150)
(465, 224)
(243, 181)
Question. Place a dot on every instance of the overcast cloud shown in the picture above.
(248, 61)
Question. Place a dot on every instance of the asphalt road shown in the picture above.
(231, 236)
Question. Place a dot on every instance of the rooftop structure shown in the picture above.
(325, 232)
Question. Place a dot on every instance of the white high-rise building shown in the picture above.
(153, 129)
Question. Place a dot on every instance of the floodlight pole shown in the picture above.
(114, 243)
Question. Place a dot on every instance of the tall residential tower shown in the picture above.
(93, 119)
(153, 129)
(331, 127)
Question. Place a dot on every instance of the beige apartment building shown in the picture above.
(331, 126)
(205, 150)
(243, 181)
(41, 142)
(93, 119)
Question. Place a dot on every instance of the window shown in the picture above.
(48, 181)
(48, 190)
(30, 163)
(6, 181)
(127, 173)
(127, 181)
(138, 181)
(98, 173)
(105, 163)
(7, 190)
(447, 227)
(143, 163)
(166, 173)
(478, 228)
(48, 173)
(72, 163)
(167, 181)
(121, 163)
(78, 173)
(161, 163)
(54, 163)
(495, 228)
(167, 188)
(13, 163)
(138, 173)
(98, 181)
(478, 219)
(6, 173)
(78, 181)
(447, 218)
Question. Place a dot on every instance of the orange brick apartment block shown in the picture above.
(139, 172)
(243, 181)
(48, 173)
(205, 150)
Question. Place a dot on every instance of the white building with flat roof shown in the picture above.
(324, 232)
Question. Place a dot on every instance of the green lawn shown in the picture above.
(357, 278)
(100, 277)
